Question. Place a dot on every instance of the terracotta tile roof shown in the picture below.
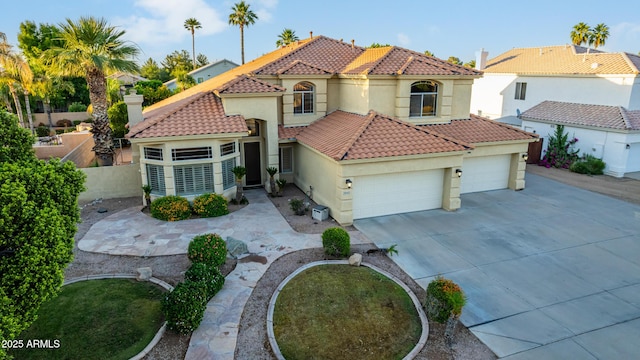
(244, 84)
(600, 116)
(298, 67)
(288, 133)
(393, 60)
(348, 136)
(477, 130)
(199, 115)
(567, 59)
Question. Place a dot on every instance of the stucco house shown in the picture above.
(610, 133)
(366, 131)
(205, 73)
(522, 78)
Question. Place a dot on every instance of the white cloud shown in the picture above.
(162, 21)
(264, 9)
(624, 37)
(403, 40)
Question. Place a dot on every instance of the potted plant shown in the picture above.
(272, 170)
(239, 172)
(147, 194)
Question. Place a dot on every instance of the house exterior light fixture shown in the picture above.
(349, 183)
(459, 172)
(525, 157)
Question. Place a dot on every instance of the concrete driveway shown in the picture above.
(550, 272)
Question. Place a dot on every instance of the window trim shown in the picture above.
(521, 91)
(224, 148)
(206, 153)
(228, 178)
(158, 183)
(305, 95)
(422, 95)
(147, 150)
(283, 170)
(192, 188)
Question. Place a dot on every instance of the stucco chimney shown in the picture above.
(481, 59)
(134, 107)
(311, 34)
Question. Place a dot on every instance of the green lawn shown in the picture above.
(96, 319)
(344, 312)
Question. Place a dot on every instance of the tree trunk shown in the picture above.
(272, 184)
(239, 191)
(450, 329)
(28, 106)
(47, 109)
(242, 42)
(101, 130)
(14, 95)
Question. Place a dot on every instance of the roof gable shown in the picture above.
(477, 130)
(244, 84)
(600, 116)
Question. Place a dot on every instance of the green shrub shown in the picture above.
(170, 208)
(209, 275)
(184, 307)
(63, 123)
(209, 249)
(297, 206)
(76, 122)
(42, 131)
(336, 242)
(589, 165)
(444, 299)
(77, 107)
(210, 205)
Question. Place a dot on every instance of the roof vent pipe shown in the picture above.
(311, 34)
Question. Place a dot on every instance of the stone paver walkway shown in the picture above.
(259, 225)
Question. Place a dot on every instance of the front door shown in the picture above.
(252, 163)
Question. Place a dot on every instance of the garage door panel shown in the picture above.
(386, 194)
(485, 173)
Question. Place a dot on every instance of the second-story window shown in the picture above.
(424, 98)
(303, 98)
(521, 90)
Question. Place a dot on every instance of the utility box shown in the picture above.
(320, 213)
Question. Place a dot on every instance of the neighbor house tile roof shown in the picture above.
(244, 84)
(348, 136)
(563, 60)
(200, 115)
(599, 116)
(477, 130)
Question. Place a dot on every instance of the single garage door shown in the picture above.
(386, 194)
(485, 173)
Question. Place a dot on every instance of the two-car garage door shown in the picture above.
(394, 193)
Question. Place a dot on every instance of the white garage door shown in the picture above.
(386, 194)
(485, 173)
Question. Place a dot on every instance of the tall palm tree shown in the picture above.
(16, 74)
(287, 37)
(580, 34)
(242, 16)
(192, 24)
(598, 35)
(91, 47)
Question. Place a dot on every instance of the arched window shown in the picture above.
(424, 98)
(303, 98)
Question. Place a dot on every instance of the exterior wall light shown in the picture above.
(349, 183)
(628, 146)
(459, 172)
(525, 157)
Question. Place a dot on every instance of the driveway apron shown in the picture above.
(550, 272)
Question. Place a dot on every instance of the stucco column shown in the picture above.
(344, 213)
(517, 171)
(451, 192)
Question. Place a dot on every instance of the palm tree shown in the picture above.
(16, 74)
(287, 37)
(91, 47)
(192, 24)
(242, 16)
(239, 172)
(580, 34)
(598, 35)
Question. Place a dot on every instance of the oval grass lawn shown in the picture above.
(96, 319)
(344, 312)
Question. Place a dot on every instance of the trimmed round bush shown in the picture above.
(184, 307)
(170, 208)
(210, 205)
(209, 275)
(444, 299)
(209, 249)
(336, 242)
(42, 131)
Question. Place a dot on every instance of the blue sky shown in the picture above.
(446, 28)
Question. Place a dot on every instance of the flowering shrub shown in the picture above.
(560, 152)
(336, 242)
(184, 307)
(208, 275)
(444, 299)
(170, 208)
(209, 249)
(210, 205)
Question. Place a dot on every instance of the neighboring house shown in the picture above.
(126, 79)
(366, 132)
(521, 78)
(611, 133)
(205, 73)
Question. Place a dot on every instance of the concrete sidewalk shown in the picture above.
(550, 272)
(259, 225)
